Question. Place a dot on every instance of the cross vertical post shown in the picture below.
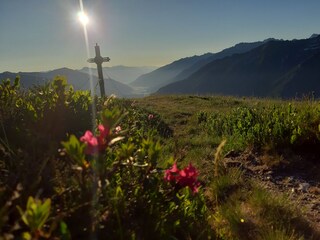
(99, 60)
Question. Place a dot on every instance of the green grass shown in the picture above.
(281, 234)
(203, 122)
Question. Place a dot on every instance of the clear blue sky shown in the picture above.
(45, 34)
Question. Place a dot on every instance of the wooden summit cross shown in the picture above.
(99, 60)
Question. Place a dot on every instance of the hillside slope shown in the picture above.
(263, 71)
(162, 76)
(237, 49)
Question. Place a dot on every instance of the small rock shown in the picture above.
(269, 172)
(289, 179)
(303, 187)
(315, 190)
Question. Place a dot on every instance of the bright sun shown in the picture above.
(83, 18)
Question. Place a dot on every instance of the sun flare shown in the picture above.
(83, 18)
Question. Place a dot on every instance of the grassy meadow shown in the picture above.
(80, 167)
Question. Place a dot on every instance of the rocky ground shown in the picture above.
(297, 183)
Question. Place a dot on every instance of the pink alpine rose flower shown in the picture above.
(104, 131)
(183, 178)
(91, 142)
(172, 173)
(188, 178)
(102, 138)
(96, 144)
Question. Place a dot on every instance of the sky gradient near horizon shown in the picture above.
(41, 35)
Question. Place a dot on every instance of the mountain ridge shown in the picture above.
(253, 73)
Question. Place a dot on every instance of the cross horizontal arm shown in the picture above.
(90, 60)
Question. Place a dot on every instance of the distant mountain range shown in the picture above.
(275, 68)
(79, 80)
(121, 74)
(116, 78)
(183, 68)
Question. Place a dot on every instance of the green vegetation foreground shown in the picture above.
(77, 167)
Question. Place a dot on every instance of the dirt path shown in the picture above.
(299, 187)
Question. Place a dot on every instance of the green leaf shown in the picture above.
(75, 149)
(30, 202)
(26, 236)
(65, 233)
(36, 213)
(119, 192)
(44, 212)
(23, 215)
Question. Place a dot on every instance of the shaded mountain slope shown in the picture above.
(263, 71)
(238, 48)
(304, 79)
(162, 76)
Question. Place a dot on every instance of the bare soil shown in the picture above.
(300, 183)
